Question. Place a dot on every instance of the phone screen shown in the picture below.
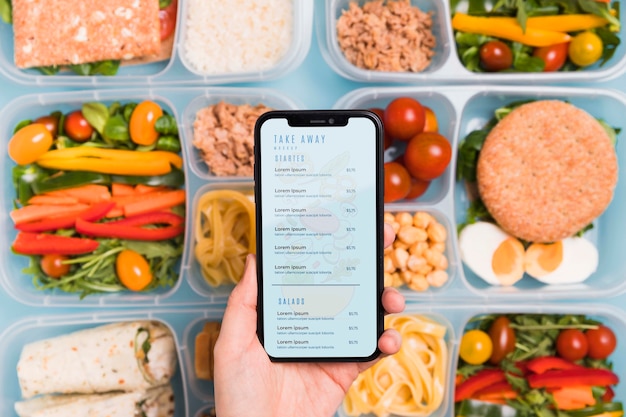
(318, 193)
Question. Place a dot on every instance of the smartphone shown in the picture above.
(319, 229)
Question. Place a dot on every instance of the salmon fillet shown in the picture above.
(64, 32)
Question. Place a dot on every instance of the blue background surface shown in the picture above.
(314, 85)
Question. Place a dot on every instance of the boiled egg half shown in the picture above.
(501, 259)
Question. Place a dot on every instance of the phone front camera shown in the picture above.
(331, 121)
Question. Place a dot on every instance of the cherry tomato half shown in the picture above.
(476, 347)
(133, 270)
(29, 143)
(167, 19)
(427, 155)
(585, 49)
(77, 127)
(387, 140)
(571, 344)
(53, 266)
(495, 56)
(142, 121)
(397, 182)
(503, 339)
(602, 342)
(404, 118)
(554, 56)
(50, 122)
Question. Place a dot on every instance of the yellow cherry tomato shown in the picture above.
(142, 122)
(29, 143)
(133, 270)
(476, 347)
(585, 49)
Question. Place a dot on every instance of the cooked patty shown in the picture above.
(64, 32)
(546, 171)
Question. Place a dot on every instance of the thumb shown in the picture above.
(240, 317)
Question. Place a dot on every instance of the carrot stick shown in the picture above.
(574, 397)
(38, 212)
(52, 200)
(123, 200)
(89, 193)
(118, 189)
(143, 189)
(160, 201)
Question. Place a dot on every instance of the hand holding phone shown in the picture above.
(319, 208)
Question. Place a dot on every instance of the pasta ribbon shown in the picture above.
(409, 383)
(224, 233)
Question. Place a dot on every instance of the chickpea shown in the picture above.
(411, 234)
(414, 263)
(399, 258)
(437, 278)
(418, 283)
(397, 280)
(433, 257)
(439, 247)
(422, 219)
(389, 218)
(436, 232)
(418, 248)
(404, 218)
(388, 265)
(388, 280)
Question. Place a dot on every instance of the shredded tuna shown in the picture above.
(224, 134)
(387, 36)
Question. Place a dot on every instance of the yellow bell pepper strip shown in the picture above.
(114, 154)
(566, 22)
(507, 29)
(108, 166)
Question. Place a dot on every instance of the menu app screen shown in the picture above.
(319, 239)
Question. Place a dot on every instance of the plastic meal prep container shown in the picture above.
(179, 321)
(463, 109)
(185, 291)
(455, 318)
(171, 71)
(446, 65)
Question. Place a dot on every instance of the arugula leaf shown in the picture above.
(96, 114)
(164, 3)
(610, 42)
(49, 70)
(523, 60)
(6, 11)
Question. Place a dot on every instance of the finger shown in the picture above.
(389, 235)
(388, 344)
(240, 316)
(393, 301)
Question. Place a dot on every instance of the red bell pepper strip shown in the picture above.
(93, 213)
(476, 382)
(545, 363)
(571, 377)
(496, 392)
(156, 217)
(46, 244)
(123, 231)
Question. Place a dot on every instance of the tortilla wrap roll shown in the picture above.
(125, 356)
(155, 402)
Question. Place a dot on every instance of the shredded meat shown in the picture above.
(387, 36)
(224, 134)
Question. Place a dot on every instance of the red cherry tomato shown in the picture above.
(495, 56)
(404, 118)
(602, 342)
(77, 127)
(554, 56)
(167, 19)
(418, 188)
(397, 182)
(53, 266)
(50, 122)
(427, 155)
(387, 140)
(503, 339)
(571, 344)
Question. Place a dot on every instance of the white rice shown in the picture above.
(230, 36)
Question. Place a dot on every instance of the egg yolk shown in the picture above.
(543, 258)
(508, 261)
